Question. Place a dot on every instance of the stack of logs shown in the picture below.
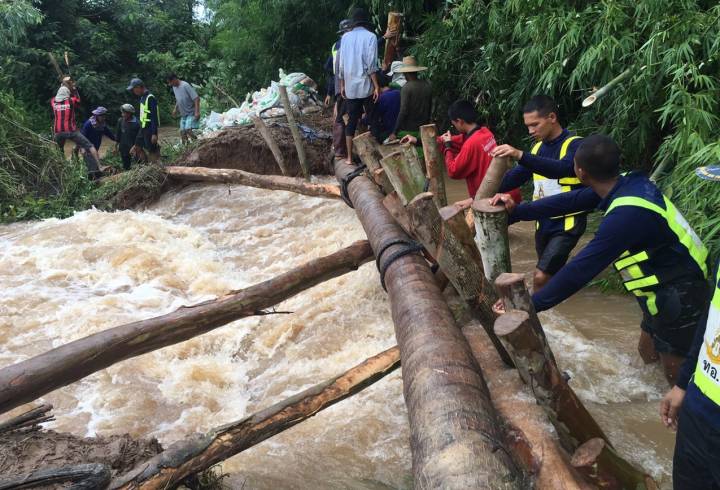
(465, 433)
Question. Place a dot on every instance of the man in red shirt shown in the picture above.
(467, 155)
(65, 128)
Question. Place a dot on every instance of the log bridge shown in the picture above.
(461, 373)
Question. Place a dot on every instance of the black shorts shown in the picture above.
(554, 249)
(147, 143)
(354, 109)
(680, 305)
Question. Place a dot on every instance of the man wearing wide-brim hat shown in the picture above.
(415, 100)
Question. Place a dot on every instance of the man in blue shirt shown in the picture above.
(549, 164)
(660, 258)
(384, 115)
(695, 398)
(96, 127)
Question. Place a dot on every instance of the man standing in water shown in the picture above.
(692, 406)
(187, 103)
(147, 139)
(549, 164)
(660, 258)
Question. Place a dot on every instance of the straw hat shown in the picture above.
(409, 65)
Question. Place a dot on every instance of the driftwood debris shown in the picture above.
(270, 141)
(84, 476)
(302, 157)
(491, 237)
(29, 420)
(601, 465)
(434, 163)
(454, 430)
(273, 182)
(34, 377)
(188, 457)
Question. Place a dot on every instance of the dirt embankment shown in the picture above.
(243, 148)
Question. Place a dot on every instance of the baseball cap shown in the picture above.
(99, 111)
(711, 172)
(135, 82)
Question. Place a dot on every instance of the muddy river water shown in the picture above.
(64, 279)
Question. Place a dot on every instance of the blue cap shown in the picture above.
(709, 173)
(135, 82)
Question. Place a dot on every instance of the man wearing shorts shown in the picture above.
(147, 139)
(187, 103)
(549, 164)
(65, 128)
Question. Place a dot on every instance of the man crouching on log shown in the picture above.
(660, 258)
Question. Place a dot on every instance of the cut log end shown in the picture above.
(588, 453)
(509, 322)
(423, 196)
(509, 279)
(484, 206)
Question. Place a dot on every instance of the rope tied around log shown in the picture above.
(345, 181)
(411, 246)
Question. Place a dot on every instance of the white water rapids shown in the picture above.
(64, 279)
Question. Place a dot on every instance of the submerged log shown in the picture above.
(83, 476)
(493, 177)
(34, 377)
(454, 430)
(273, 182)
(601, 465)
(194, 455)
(491, 236)
(434, 163)
(282, 89)
(270, 141)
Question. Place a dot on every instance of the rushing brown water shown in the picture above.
(64, 279)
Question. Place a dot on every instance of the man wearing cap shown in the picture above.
(147, 138)
(642, 235)
(127, 131)
(415, 100)
(187, 102)
(357, 69)
(65, 128)
(692, 406)
(95, 128)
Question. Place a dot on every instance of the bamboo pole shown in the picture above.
(434, 163)
(592, 98)
(294, 130)
(270, 141)
(273, 182)
(454, 430)
(491, 237)
(196, 454)
(493, 178)
(407, 178)
(605, 468)
(37, 376)
(536, 366)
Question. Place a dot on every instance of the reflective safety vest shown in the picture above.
(145, 112)
(544, 187)
(334, 52)
(707, 371)
(630, 266)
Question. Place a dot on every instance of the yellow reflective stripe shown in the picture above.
(635, 201)
(566, 145)
(569, 181)
(539, 177)
(634, 271)
(650, 300)
(692, 243)
(701, 380)
(639, 257)
(569, 223)
(644, 282)
(536, 148)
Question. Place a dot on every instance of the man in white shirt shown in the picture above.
(357, 72)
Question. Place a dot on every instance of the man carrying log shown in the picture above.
(660, 258)
(692, 406)
(550, 166)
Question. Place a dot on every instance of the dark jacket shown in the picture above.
(127, 132)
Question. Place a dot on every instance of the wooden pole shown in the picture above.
(515, 295)
(536, 365)
(493, 177)
(273, 182)
(601, 465)
(434, 162)
(458, 258)
(39, 375)
(29, 420)
(407, 179)
(267, 136)
(83, 475)
(410, 154)
(454, 430)
(491, 236)
(369, 152)
(294, 130)
(394, 25)
(194, 455)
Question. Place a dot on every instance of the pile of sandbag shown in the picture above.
(302, 92)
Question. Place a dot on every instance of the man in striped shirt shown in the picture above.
(65, 127)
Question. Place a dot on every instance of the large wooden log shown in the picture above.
(493, 177)
(294, 130)
(369, 152)
(434, 163)
(34, 377)
(270, 141)
(406, 177)
(273, 182)
(536, 365)
(515, 296)
(605, 468)
(452, 421)
(491, 236)
(188, 457)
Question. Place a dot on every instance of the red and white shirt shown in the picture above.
(64, 113)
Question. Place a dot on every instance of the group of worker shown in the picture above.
(646, 239)
(136, 138)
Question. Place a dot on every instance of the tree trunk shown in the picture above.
(369, 152)
(491, 236)
(407, 178)
(267, 136)
(515, 295)
(194, 455)
(273, 182)
(493, 178)
(601, 465)
(434, 163)
(294, 130)
(536, 365)
(453, 425)
(33, 378)
(85, 476)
